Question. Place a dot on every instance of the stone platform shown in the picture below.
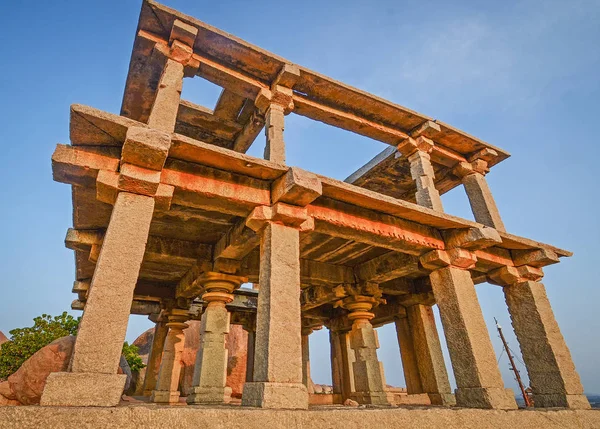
(198, 417)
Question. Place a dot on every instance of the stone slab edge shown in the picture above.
(198, 417)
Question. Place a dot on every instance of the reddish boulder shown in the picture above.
(3, 338)
(236, 365)
(188, 358)
(28, 382)
(237, 347)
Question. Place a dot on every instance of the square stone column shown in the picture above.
(306, 380)
(278, 364)
(552, 374)
(210, 372)
(155, 358)
(342, 359)
(274, 126)
(93, 380)
(250, 353)
(422, 173)
(166, 104)
(408, 357)
(473, 359)
(167, 387)
(433, 376)
(369, 380)
(482, 202)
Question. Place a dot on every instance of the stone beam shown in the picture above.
(376, 229)
(472, 238)
(237, 243)
(158, 249)
(203, 124)
(248, 134)
(229, 105)
(388, 267)
(346, 120)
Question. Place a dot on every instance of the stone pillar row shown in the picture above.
(135, 192)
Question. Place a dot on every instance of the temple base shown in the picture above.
(576, 402)
(446, 399)
(373, 398)
(209, 395)
(164, 397)
(81, 389)
(486, 397)
(275, 395)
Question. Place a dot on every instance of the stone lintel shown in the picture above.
(486, 154)
(82, 239)
(288, 75)
(296, 187)
(427, 129)
(506, 276)
(183, 32)
(471, 238)
(411, 145)
(296, 217)
(456, 257)
(146, 147)
(536, 258)
(109, 184)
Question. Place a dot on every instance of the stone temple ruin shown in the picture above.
(170, 218)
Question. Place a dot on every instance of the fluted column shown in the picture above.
(167, 386)
(369, 381)
(210, 372)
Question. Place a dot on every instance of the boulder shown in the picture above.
(237, 347)
(28, 382)
(236, 344)
(3, 338)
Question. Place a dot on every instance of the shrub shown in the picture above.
(133, 357)
(25, 342)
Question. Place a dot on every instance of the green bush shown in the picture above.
(133, 357)
(25, 342)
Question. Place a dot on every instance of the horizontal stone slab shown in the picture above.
(199, 417)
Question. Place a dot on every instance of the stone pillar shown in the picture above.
(167, 387)
(369, 381)
(552, 374)
(93, 380)
(474, 363)
(422, 173)
(250, 353)
(274, 126)
(342, 359)
(155, 358)
(278, 364)
(166, 104)
(306, 380)
(428, 353)
(480, 196)
(408, 356)
(210, 373)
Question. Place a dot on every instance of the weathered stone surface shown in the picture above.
(482, 202)
(278, 362)
(3, 338)
(151, 417)
(83, 389)
(552, 375)
(237, 352)
(28, 382)
(473, 359)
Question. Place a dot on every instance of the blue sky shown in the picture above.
(523, 76)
